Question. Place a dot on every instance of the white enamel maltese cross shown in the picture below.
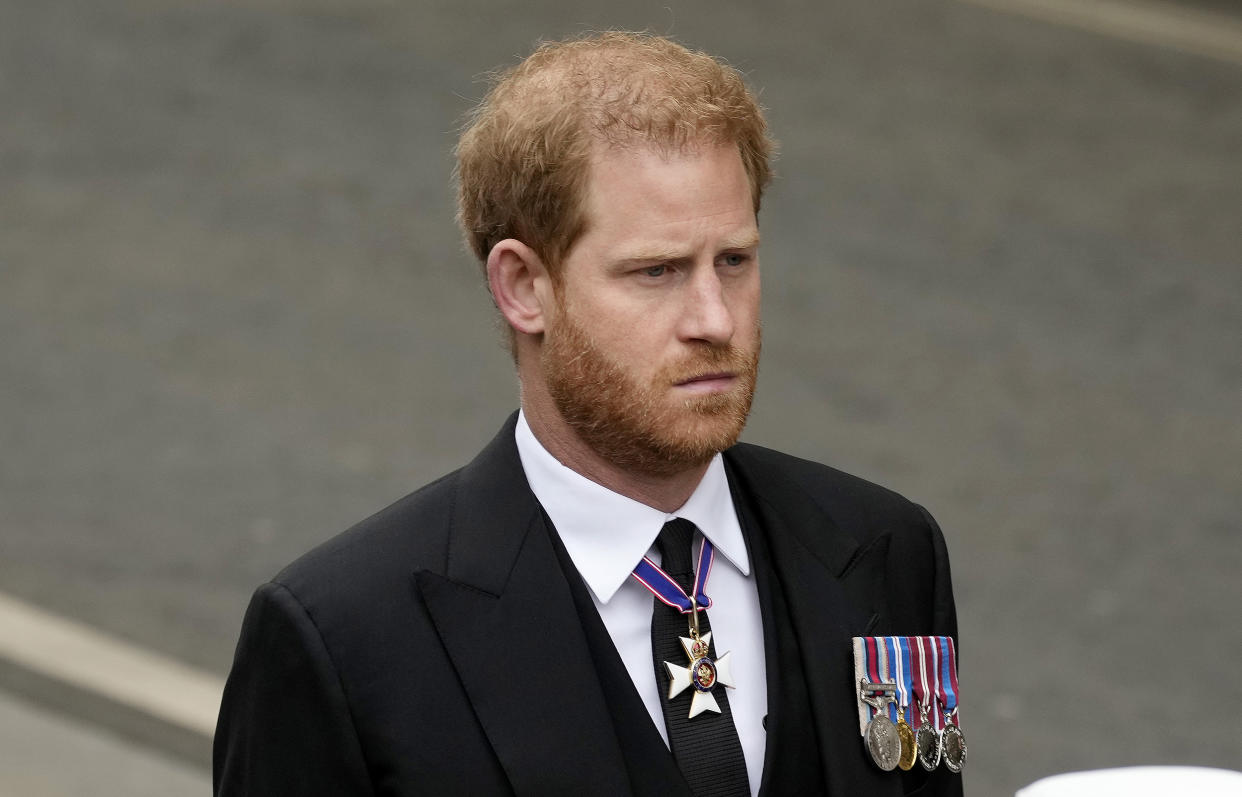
(703, 674)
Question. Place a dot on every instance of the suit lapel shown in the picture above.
(829, 582)
(506, 617)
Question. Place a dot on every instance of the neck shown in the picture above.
(666, 491)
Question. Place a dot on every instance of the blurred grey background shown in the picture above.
(1003, 275)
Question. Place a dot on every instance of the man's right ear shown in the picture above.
(520, 285)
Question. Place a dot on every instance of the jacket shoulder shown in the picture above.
(408, 535)
(850, 500)
(894, 545)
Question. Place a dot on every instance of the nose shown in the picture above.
(707, 316)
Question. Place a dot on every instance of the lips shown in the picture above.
(709, 383)
(707, 377)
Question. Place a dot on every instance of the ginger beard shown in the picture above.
(641, 427)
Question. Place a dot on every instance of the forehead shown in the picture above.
(643, 192)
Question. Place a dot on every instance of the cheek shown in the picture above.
(639, 350)
(619, 327)
(634, 347)
(746, 305)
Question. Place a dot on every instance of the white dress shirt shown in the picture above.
(607, 534)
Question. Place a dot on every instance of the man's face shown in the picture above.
(652, 353)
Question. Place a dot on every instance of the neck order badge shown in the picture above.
(895, 670)
(704, 672)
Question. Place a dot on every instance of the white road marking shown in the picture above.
(140, 679)
(1205, 33)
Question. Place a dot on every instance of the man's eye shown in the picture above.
(734, 259)
(655, 271)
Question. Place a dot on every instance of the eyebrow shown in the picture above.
(669, 256)
(747, 242)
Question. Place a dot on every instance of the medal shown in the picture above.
(953, 743)
(880, 736)
(917, 675)
(926, 739)
(909, 750)
(704, 671)
(899, 654)
(952, 740)
(881, 739)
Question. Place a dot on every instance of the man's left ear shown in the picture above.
(520, 284)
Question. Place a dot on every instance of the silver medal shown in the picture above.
(881, 738)
(953, 745)
(927, 740)
(883, 743)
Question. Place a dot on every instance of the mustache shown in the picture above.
(708, 361)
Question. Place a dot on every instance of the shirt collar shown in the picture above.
(606, 533)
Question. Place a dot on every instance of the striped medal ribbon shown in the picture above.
(952, 740)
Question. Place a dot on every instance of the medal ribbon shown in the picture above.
(871, 652)
(883, 665)
(946, 689)
(893, 675)
(923, 687)
(649, 574)
(900, 647)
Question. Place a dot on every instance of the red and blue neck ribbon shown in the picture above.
(662, 585)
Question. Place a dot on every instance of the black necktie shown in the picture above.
(706, 748)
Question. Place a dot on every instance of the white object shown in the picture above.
(1139, 782)
(104, 665)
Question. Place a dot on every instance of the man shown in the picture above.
(496, 632)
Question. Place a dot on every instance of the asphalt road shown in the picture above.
(1003, 275)
(43, 754)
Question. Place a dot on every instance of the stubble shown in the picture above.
(637, 426)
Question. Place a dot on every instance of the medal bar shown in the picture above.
(908, 702)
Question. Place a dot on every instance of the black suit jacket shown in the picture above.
(435, 647)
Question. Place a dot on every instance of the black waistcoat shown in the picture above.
(791, 759)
